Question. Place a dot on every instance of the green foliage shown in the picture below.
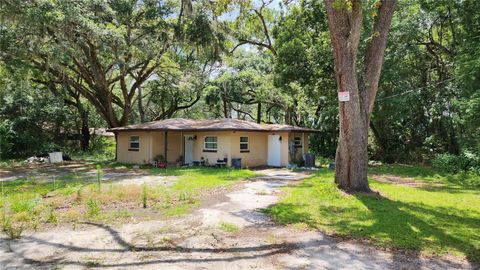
(436, 219)
(192, 179)
(24, 204)
(303, 72)
(454, 164)
(13, 230)
(228, 227)
(52, 217)
(93, 208)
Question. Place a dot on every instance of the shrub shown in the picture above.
(23, 204)
(52, 217)
(93, 209)
(13, 231)
(453, 164)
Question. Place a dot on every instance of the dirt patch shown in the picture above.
(404, 181)
(77, 168)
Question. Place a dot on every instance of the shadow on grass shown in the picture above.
(428, 174)
(399, 223)
(288, 213)
(414, 227)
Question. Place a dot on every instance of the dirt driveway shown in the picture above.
(227, 232)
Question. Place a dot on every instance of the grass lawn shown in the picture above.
(194, 178)
(429, 220)
(30, 203)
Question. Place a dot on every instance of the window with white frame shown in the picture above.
(210, 144)
(134, 143)
(297, 142)
(244, 144)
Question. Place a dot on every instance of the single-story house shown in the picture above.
(187, 141)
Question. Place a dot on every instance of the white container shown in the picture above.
(55, 157)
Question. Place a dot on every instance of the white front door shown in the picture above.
(188, 148)
(274, 151)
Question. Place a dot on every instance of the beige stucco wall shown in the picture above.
(152, 144)
(143, 155)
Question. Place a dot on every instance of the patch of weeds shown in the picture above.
(93, 208)
(99, 176)
(92, 261)
(271, 238)
(79, 195)
(13, 230)
(22, 204)
(122, 214)
(187, 197)
(144, 195)
(71, 215)
(166, 241)
(52, 217)
(13, 226)
(228, 227)
(300, 226)
(262, 192)
(177, 210)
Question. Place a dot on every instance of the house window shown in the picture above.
(210, 144)
(244, 145)
(297, 142)
(134, 143)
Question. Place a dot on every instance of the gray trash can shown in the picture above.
(309, 160)
(237, 163)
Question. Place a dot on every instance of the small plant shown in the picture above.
(93, 209)
(228, 227)
(79, 195)
(99, 176)
(144, 195)
(52, 217)
(187, 197)
(13, 231)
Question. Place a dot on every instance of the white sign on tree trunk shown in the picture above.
(344, 96)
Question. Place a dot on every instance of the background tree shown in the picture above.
(104, 51)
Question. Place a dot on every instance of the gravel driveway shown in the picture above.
(197, 240)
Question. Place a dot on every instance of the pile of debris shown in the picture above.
(53, 157)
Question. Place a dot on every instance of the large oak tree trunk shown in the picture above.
(345, 25)
(351, 156)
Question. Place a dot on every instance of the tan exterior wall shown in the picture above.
(257, 148)
(152, 144)
(143, 155)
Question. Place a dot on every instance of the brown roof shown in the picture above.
(180, 124)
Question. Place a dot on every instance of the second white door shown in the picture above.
(274, 151)
(188, 148)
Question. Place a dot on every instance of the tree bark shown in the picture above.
(345, 25)
(85, 140)
(141, 111)
(259, 112)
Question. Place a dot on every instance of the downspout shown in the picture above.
(165, 147)
(116, 146)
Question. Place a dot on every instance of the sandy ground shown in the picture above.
(196, 241)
